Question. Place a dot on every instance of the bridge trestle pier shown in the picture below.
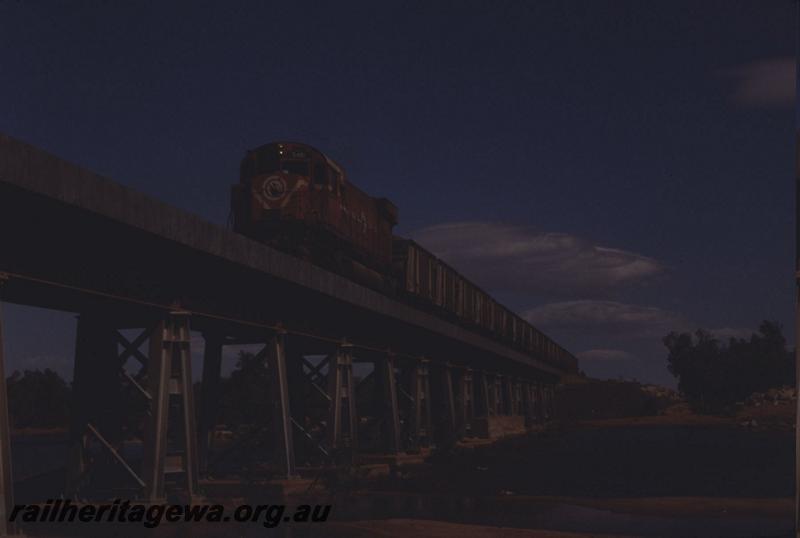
(281, 403)
(466, 403)
(444, 409)
(497, 395)
(509, 407)
(170, 437)
(415, 402)
(418, 416)
(528, 403)
(342, 420)
(546, 411)
(387, 402)
(518, 399)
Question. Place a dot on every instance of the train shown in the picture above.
(293, 197)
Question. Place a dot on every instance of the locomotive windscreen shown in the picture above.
(294, 167)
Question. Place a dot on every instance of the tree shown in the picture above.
(245, 394)
(38, 399)
(713, 376)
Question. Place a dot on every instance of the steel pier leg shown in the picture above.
(388, 398)
(420, 383)
(522, 386)
(335, 392)
(449, 402)
(497, 394)
(351, 403)
(527, 403)
(508, 396)
(182, 347)
(547, 402)
(340, 387)
(418, 401)
(159, 370)
(276, 357)
(461, 404)
(6, 482)
(543, 398)
(467, 395)
(298, 398)
(209, 395)
(484, 406)
(169, 375)
(551, 401)
(491, 408)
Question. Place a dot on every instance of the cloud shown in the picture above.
(197, 344)
(765, 83)
(605, 355)
(504, 257)
(726, 333)
(607, 317)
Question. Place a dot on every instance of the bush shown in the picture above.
(714, 376)
(38, 399)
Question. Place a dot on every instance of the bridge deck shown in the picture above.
(73, 240)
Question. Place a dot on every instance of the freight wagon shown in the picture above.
(431, 282)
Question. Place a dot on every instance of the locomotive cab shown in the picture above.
(291, 194)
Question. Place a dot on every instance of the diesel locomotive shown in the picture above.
(293, 197)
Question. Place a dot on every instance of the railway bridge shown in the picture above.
(351, 370)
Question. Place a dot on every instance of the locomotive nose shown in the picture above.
(274, 187)
(276, 190)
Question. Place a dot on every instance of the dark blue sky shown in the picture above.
(612, 169)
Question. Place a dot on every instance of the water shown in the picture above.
(499, 512)
(679, 461)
